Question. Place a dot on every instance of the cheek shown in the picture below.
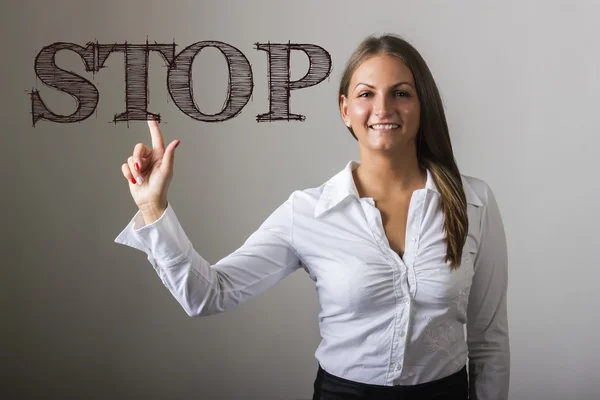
(359, 111)
(411, 112)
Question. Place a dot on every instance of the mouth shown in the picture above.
(384, 127)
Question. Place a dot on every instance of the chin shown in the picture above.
(387, 142)
(382, 146)
(383, 141)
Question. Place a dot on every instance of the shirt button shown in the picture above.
(405, 300)
(414, 240)
(402, 333)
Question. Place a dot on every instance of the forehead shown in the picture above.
(382, 69)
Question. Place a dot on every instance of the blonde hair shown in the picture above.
(434, 150)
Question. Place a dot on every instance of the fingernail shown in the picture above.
(140, 180)
(177, 144)
(133, 180)
(137, 166)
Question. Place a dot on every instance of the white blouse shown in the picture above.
(384, 319)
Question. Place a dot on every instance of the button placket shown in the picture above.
(398, 364)
(401, 278)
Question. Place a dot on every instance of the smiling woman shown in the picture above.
(381, 106)
(390, 103)
(403, 249)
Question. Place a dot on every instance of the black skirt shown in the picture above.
(330, 387)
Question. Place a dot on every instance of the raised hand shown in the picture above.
(149, 172)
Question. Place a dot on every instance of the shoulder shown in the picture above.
(305, 201)
(319, 199)
(478, 189)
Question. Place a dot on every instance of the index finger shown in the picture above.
(157, 139)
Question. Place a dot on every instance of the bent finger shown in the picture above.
(140, 153)
(127, 173)
(136, 174)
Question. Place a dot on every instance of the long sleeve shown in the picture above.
(265, 258)
(487, 321)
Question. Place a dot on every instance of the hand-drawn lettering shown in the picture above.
(240, 82)
(279, 77)
(136, 76)
(84, 91)
(179, 79)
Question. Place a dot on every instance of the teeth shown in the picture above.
(385, 126)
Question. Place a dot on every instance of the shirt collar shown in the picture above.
(342, 186)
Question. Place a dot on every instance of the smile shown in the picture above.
(382, 127)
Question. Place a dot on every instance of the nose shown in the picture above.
(382, 106)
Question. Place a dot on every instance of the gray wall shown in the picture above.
(87, 318)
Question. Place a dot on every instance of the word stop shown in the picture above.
(179, 79)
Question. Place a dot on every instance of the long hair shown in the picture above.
(434, 150)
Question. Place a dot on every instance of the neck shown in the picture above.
(382, 176)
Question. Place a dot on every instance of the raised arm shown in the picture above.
(266, 257)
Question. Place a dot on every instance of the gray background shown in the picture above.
(85, 318)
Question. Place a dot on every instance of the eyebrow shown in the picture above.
(393, 86)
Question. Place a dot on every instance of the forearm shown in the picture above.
(202, 289)
(264, 259)
(489, 369)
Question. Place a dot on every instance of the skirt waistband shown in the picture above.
(454, 386)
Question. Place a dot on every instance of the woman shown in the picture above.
(403, 250)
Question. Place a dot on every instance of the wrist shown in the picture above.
(152, 212)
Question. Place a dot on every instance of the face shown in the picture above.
(382, 106)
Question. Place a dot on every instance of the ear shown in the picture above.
(344, 110)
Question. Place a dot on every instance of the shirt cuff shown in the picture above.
(163, 240)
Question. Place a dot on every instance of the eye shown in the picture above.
(402, 94)
(364, 94)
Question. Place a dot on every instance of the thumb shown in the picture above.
(169, 155)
